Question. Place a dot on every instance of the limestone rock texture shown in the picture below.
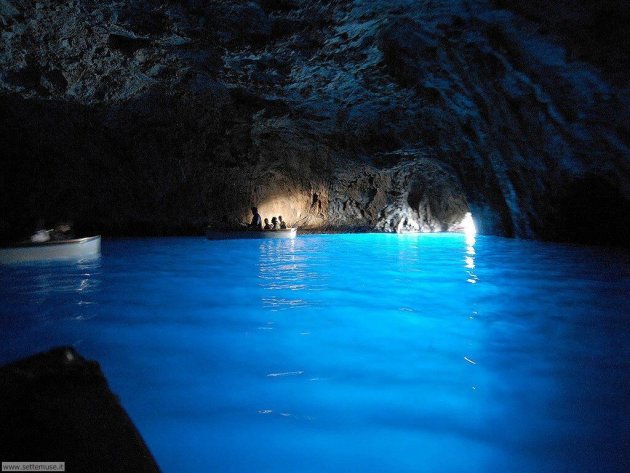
(161, 117)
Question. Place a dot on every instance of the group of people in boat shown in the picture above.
(257, 223)
(61, 231)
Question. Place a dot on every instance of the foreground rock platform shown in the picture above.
(57, 406)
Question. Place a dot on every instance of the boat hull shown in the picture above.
(52, 250)
(251, 235)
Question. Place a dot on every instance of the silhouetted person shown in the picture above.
(41, 235)
(283, 224)
(274, 224)
(62, 231)
(267, 226)
(256, 223)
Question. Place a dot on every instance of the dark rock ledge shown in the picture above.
(57, 406)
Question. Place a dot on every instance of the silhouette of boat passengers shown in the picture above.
(41, 235)
(61, 231)
(257, 223)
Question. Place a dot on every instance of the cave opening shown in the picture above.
(468, 224)
(436, 202)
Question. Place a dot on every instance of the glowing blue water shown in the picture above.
(363, 353)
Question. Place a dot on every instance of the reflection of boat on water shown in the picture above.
(212, 234)
(51, 250)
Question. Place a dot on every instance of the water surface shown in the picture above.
(348, 353)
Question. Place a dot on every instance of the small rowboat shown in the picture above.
(51, 250)
(250, 234)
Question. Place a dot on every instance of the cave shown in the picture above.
(319, 236)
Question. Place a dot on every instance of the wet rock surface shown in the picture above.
(155, 117)
(57, 407)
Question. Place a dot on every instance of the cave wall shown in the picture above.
(157, 117)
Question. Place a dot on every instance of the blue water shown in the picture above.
(348, 353)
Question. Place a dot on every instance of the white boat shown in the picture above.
(212, 234)
(78, 248)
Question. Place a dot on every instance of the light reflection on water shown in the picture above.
(48, 291)
(348, 352)
(279, 269)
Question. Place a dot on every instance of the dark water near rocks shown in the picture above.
(338, 353)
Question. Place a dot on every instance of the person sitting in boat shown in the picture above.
(62, 231)
(256, 223)
(267, 226)
(41, 235)
(283, 224)
(274, 224)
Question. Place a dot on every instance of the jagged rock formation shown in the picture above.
(151, 116)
